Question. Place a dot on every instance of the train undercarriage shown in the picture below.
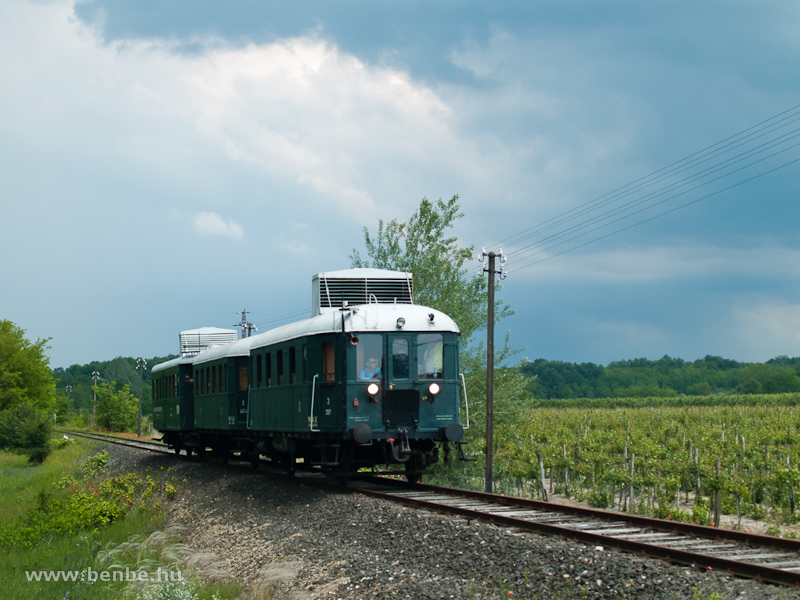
(330, 454)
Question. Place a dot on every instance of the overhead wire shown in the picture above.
(634, 198)
(531, 249)
(703, 155)
(283, 319)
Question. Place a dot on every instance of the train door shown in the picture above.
(401, 398)
(326, 364)
(239, 388)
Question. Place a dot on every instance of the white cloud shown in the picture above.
(659, 263)
(209, 223)
(764, 329)
(297, 113)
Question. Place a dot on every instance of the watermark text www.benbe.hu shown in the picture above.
(91, 576)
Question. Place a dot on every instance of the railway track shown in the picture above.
(763, 558)
(152, 446)
(760, 557)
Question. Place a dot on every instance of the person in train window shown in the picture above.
(371, 370)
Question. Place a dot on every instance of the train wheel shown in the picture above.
(177, 450)
(412, 474)
(255, 459)
(342, 472)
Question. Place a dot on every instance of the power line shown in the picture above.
(529, 250)
(663, 213)
(727, 158)
(756, 131)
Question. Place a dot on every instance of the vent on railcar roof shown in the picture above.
(333, 290)
(194, 341)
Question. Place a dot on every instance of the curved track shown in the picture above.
(760, 557)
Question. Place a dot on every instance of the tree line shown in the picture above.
(117, 387)
(665, 377)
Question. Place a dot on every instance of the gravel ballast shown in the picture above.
(299, 542)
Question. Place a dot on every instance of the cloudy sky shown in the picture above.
(166, 164)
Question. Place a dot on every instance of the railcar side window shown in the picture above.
(328, 362)
(292, 365)
(279, 366)
(370, 356)
(400, 359)
(258, 370)
(268, 364)
(242, 376)
(429, 355)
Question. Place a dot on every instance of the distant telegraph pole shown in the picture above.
(95, 376)
(140, 365)
(69, 402)
(492, 271)
(247, 327)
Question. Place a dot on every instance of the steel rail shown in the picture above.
(704, 561)
(121, 441)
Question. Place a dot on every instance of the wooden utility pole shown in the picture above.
(140, 365)
(490, 269)
(69, 403)
(95, 377)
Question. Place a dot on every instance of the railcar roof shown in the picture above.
(364, 273)
(364, 318)
(181, 360)
(237, 348)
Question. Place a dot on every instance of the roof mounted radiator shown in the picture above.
(334, 289)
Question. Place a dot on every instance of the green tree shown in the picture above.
(117, 410)
(701, 388)
(27, 429)
(422, 246)
(25, 375)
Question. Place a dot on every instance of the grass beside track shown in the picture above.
(69, 516)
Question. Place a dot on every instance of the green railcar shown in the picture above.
(373, 380)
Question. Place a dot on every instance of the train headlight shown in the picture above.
(400, 322)
(373, 389)
(434, 388)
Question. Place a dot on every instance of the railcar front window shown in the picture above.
(369, 357)
(400, 359)
(429, 355)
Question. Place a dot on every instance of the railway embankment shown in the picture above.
(286, 540)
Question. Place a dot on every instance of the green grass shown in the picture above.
(21, 482)
(135, 540)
